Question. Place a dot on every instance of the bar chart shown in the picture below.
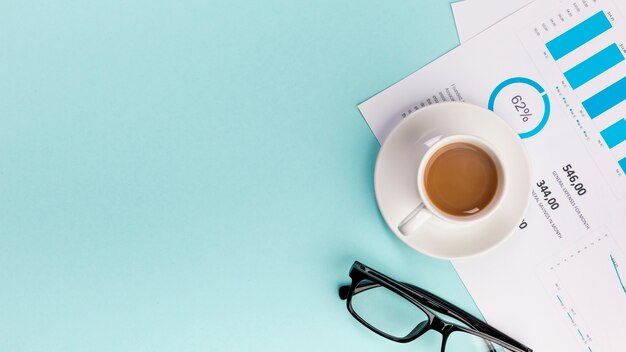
(601, 68)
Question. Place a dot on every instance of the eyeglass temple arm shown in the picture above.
(443, 307)
(450, 309)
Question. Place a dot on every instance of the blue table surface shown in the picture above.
(195, 175)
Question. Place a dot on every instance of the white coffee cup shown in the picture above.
(396, 179)
(426, 210)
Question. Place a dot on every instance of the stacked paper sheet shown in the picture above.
(556, 284)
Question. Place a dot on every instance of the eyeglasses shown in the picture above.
(402, 312)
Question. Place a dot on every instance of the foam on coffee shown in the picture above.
(461, 179)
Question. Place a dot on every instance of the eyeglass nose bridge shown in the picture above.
(440, 326)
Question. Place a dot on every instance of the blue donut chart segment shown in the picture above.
(538, 88)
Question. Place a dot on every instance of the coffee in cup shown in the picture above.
(459, 179)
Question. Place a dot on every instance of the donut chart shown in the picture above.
(517, 83)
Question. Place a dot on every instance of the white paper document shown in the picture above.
(474, 16)
(555, 71)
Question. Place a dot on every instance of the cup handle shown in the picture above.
(414, 220)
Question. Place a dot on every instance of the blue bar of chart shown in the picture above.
(606, 98)
(614, 134)
(578, 35)
(594, 66)
(622, 164)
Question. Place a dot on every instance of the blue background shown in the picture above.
(195, 176)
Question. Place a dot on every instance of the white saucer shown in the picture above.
(396, 171)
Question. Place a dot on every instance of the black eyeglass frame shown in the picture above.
(365, 278)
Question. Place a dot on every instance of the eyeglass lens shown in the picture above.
(388, 312)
